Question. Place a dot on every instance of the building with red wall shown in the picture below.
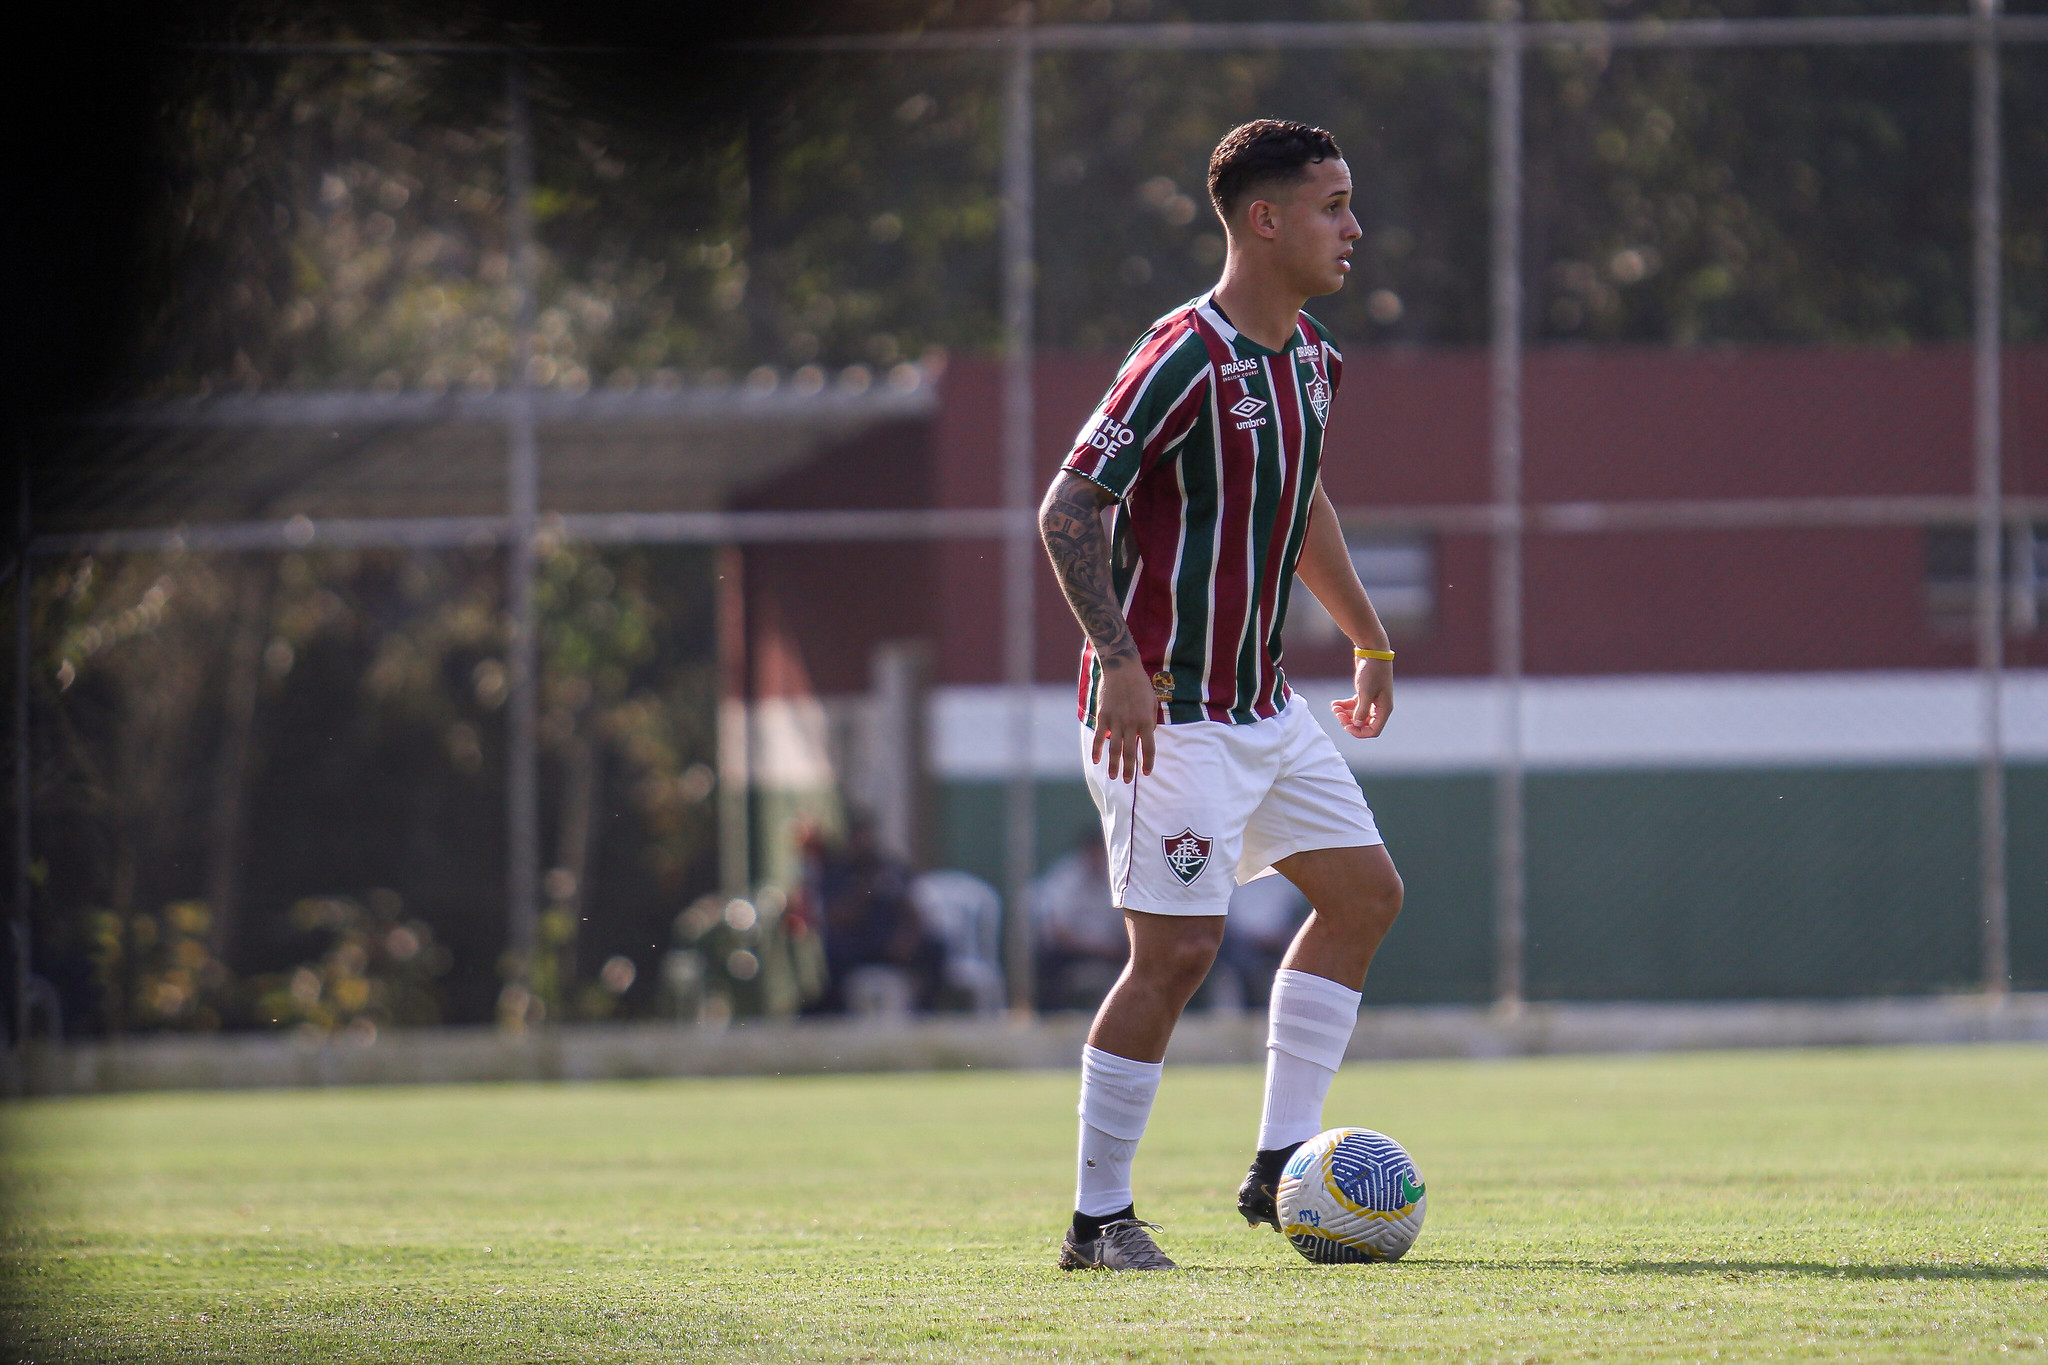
(1716, 663)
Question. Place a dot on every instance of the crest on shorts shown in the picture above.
(1187, 853)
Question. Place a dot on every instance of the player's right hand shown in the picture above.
(1126, 714)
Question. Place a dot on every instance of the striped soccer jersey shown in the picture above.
(1211, 445)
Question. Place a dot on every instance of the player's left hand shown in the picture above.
(1365, 715)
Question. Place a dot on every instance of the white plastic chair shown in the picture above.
(966, 912)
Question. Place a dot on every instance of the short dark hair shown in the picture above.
(1261, 152)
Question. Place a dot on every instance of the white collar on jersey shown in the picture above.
(1206, 306)
(1208, 309)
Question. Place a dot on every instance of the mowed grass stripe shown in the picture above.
(1849, 1205)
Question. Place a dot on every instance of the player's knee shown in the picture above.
(1194, 953)
(1383, 901)
(1387, 897)
(1376, 903)
(1183, 959)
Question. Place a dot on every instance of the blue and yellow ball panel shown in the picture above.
(1350, 1195)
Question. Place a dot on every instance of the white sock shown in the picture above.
(1308, 1027)
(1116, 1101)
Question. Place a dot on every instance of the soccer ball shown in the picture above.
(1351, 1194)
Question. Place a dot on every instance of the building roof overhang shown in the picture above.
(339, 455)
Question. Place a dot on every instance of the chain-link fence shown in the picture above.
(459, 568)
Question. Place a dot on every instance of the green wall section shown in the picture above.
(974, 815)
(2026, 797)
(1439, 831)
(1744, 884)
(1707, 884)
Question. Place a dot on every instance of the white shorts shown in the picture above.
(1222, 804)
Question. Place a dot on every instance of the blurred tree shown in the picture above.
(625, 687)
(368, 760)
(340, 220)
(131, 665)
(600, 628)
(375, 969)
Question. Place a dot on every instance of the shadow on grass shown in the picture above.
(1816, 1269)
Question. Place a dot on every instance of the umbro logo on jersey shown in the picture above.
(1187, 854)
(1248, 406)
(1237, 367)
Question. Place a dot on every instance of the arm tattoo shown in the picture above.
(1070, 520)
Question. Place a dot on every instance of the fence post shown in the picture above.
(23, 926)
(522, 478)
(1506, 405)
(735, 741)
(1020, 541)
(1985, 439)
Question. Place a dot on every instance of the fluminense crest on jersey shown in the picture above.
(1318, 391)
(1187, 854)
(1202, 428)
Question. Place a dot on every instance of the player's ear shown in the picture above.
(1262, 218)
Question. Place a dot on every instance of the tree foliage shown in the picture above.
(342, 220)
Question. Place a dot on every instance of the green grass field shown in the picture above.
(1871, 1205)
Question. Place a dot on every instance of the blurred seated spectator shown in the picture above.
(880, 957)
(1081, 939)
(1265, 912)
(967, 914)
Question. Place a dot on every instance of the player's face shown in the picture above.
(1316, 228)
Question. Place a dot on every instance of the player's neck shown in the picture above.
(1260, 307)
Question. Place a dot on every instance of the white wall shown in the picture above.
(1443, 725)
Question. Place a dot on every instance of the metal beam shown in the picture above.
(1762, 514)
(337, 408)
(1509, 880)
(21, 924)
(1847, 30)
(735, 730)
(423, 47)
(994, 523)
(522, 480)
(1985, 440)
(1020, 544)
(1421, 35)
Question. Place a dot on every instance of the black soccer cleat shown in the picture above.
(1258, 1197)
(1125, 1244)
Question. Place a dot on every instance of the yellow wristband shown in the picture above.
(1358, 653)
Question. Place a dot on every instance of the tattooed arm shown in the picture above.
(1070, 521)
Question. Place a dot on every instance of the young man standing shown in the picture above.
(1203, 763)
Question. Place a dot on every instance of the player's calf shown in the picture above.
(1308, 1027)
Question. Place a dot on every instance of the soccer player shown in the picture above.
(1203, 763)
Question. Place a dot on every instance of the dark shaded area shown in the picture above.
(373, 778)
(109, 101)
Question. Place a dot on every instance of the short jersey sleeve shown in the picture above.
(1157, 397)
